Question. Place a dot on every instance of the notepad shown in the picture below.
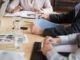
(25, 14)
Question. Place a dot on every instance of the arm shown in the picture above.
(53, 55)
(47, 8)
(69, 39)
(13, 5)
(63, 18)
(60, 30)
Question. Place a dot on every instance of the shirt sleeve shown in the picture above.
(54, 55)
(69, 39)
(12, 5)
(63, 18)
(47, 8)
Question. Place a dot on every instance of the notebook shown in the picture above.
(3, 7)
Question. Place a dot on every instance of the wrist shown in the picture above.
(58, 40)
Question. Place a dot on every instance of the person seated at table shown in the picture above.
(49, 50)
(30, 5)
(73, 18)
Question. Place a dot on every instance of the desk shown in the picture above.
(27, 48)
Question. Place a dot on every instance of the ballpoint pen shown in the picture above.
(53, 43)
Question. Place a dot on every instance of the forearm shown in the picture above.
(63, 18)
(69, 39)
(53, 55)
(47, 10)
(13, 5)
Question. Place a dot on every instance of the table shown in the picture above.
(7, 24)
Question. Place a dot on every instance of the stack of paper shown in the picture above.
(25, 14)
(11, 55)
(9, 38)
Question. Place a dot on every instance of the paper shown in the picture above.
(11, 55)
(25, 14)
(44, 23)
(8, 38)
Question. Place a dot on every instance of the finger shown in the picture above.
(48, 39)
(38, 15)
(42, 17)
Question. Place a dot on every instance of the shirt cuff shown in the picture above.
(53, 17)
(47, 32)
(63, 39)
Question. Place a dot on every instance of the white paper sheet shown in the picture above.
(11, 55)
(25, 14)
(8, 38)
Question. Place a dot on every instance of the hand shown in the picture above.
(18, 8)
(37, 30)
(50, 40)
(46, 48)
(44, 16)
(36, 9)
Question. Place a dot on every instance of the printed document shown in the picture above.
(11, 55)
(25, 14)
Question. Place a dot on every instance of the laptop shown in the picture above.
(3, 7)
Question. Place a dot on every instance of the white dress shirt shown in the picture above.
(28, 5)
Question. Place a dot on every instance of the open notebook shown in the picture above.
(25, 14)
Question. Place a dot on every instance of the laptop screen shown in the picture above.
(3, 7)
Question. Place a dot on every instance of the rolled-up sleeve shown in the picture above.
(12, 5)
(47, 7)
(69, 39)
(53, 55)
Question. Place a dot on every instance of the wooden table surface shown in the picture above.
(6, 28)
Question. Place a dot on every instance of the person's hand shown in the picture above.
(36, 9)
(52, 40)
(44, 16)
(18, 8)
(37, 30)
(46, 47)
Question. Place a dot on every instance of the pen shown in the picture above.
(53, 43)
